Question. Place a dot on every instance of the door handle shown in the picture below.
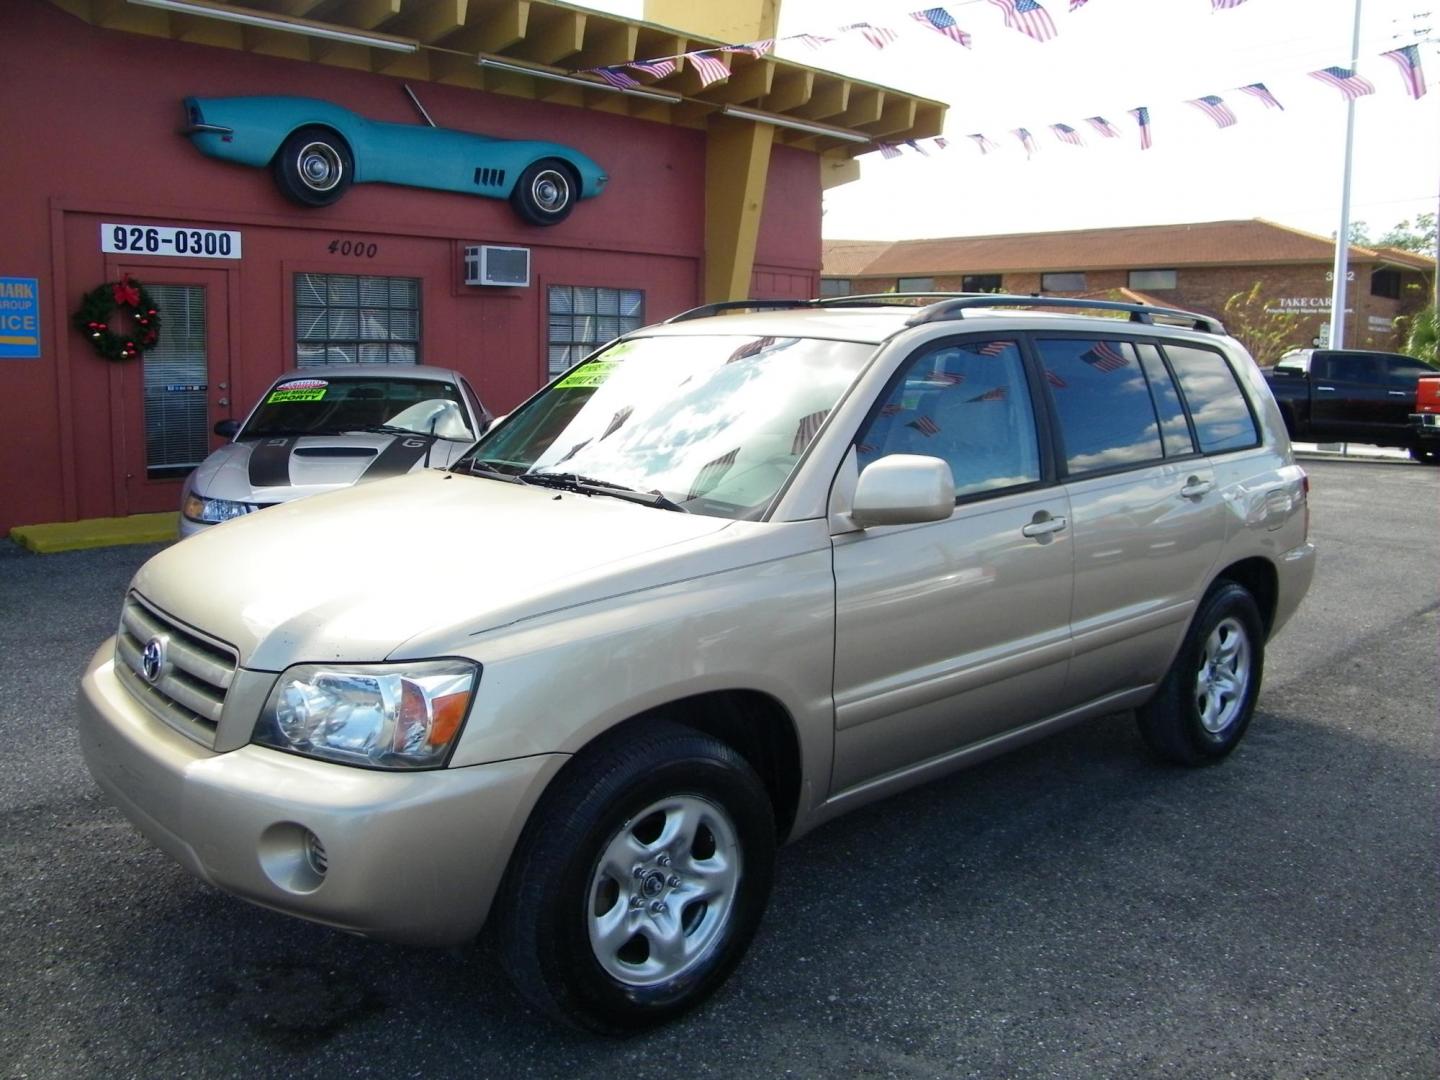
(1047, 527)
(1398, 393)
(1195, 487)
(1325, 389)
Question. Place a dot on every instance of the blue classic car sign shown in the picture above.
(318, 149)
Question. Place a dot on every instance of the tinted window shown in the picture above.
(1348, 367)
(1217, 405)
(1062, 282)
(981, 283)
(1102, 401)
(1404, 371)
(914, 284)
(834, 286)
(966, 403)
(1174, 428)
(1152, 279)
(1385, 283)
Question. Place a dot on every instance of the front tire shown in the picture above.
(546, 192)
(1207, 698)
(314, 167)
(639, 881)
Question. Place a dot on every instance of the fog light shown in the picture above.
(315, 854)
(293, 857)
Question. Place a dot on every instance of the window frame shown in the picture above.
(292, 308)
(546, 375)
(1240, 385)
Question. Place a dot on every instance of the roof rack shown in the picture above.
(1139, 313)
(859, 300)
(706, 310)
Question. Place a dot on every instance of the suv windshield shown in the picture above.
(329, 405)
(714, 425)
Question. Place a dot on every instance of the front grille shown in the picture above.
(197, 671)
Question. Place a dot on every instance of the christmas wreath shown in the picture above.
(135, 306)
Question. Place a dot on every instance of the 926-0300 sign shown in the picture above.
(124, 239)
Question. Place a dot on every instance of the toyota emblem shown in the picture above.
(152, 660)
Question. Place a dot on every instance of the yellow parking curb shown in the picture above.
(97, 532)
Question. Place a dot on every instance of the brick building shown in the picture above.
(1196, 266)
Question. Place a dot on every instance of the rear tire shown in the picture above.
(1207, 698)
(314, 167)
(639, 881)
(1425, 455)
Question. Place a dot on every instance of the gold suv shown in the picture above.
(728, 578)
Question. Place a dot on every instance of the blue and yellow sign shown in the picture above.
(19, 318)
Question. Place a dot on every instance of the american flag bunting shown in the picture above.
(657, 68)
(1067, 134)
(983, 143)
(710, 69)
(1103, 126)
(1142, 118)
(617, 78)
(757, 49)
(1076, 5)
(1345, 80)
(941, 21)
(1215, 108)
(913, 145)
(878, 36)
(1055, 380)
(806, 429)
(1222, 5)
(1026, 140)
(811, 41)
(1028, 17)
(889, 150)
(1105, 357)
(1408, 61)
(925, 426)
(711, 472)
(1260, 91)
(995, 393)
(940, 141)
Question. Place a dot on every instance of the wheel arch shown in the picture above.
(1258, 576)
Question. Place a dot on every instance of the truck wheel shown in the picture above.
(1206, 700)
(639, 880)
(1425, 455)
(313, 167)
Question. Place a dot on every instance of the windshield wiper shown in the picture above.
(587, 486)
(474, 467)
(391, 429)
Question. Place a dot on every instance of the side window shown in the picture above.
(482, 414)
(1350, 367)
(1404, 371)
(967, 403)
(1217, 404)
(1174, 428)
(1102, 401)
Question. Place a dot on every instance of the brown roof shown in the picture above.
(846, 257)
(1206, 243)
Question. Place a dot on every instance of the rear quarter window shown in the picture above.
(1218, 407)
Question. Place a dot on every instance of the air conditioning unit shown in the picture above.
(487, 264)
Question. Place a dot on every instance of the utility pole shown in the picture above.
(1342, 238)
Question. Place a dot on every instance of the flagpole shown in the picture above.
(1342, 238)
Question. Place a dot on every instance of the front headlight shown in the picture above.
(385, 716)
(212, 511)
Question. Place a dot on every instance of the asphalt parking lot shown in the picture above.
(1072, 910)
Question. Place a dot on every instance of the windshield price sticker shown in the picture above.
(588, 376)
(299, 390)
(123, 239)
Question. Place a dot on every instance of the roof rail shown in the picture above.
(705, 310)
(888, 299)
(1139, 313)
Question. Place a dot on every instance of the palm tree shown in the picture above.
(1423, 335)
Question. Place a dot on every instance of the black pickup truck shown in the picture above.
(1349, 395)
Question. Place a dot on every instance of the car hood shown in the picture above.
(352, 575)
(267, 471)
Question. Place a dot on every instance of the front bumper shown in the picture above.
(413, 857)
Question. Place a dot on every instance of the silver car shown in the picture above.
(725, 580)
(321, 429)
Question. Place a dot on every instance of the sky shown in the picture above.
(1111, 56)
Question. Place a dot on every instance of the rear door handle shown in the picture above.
(1325, 389)
(1044, 528)
(1195, 487)
(1398, 393)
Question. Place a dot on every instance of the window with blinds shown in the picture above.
(354, 319)
(176, 378)
(584, 317)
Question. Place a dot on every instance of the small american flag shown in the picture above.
(940, 142)
(994, 348)
(1221, 5)
(1028, 17)
(1026, 140)
(1076, 5)
(888, 150)
(949, 378)
(995, 393)
(983, 143)
(615, 77)
(757, 49)
(750, 348)
(1345, 80)
(811, 41)
(878, 36)
(1408, 61)
(1142, 117)
(616, 422)
(711, 70)
(711, 472)
(1215, 108)
(1067, 134)
(1105, 357)
(806, 429)
(925, 426)
(658, 68)
(1103, 126)
(940, 20)
(1262, 92)
(1055, 380)
(917, 148)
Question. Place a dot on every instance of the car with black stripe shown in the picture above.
(319, 429)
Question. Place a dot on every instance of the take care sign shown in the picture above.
(19, 318)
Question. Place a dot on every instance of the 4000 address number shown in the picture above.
(121, 239)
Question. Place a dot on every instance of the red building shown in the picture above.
(702, 203)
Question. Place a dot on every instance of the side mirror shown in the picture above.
(903, 489)
(227, 429)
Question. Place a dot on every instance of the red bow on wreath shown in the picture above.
(126, 294)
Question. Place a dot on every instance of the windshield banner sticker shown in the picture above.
(590, 375)
(298, 390)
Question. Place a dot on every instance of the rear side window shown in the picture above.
(1217, 405)
(1107, 418)
(1174, 428)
